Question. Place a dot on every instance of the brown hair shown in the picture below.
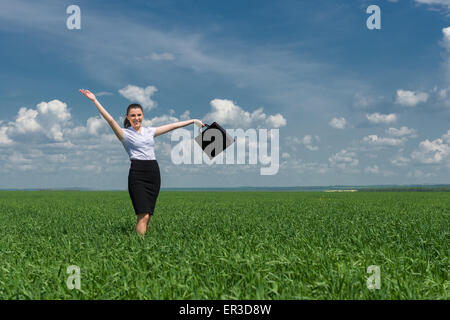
(126, 122)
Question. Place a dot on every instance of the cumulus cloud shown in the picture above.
(410, 98)
(26, 121)
(446, 38)
(301, 166)
(140, 95)
(361, 101)
(446, 44)
(285, 155)
(4, 139)
(308, 141)
(276, 121)
(55, 108)
(95, 124)
(374, 169)
(160, 120)
(381, 118)
(227, 112)
(377, 171)
(401, 132)
(338, 123)
(46, 120)
(186, 115)
(344, 159)
(400, 161)
(373, 139)
(446, 137)
(443, 93)
(433, 152)
(445, 3)
(365, 101)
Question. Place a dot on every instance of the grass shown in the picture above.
(225, 245)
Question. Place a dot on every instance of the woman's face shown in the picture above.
(135, 117)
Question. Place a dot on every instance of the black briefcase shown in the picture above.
(214, 139)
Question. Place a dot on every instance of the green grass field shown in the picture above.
(225, 245)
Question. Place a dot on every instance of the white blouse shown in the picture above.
(139, 146)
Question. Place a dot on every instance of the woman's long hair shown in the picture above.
(126, 122)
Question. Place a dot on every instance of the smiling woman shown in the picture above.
(144, 180)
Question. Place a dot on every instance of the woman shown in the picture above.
(144, 178)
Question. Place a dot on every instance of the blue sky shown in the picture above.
(352, 105)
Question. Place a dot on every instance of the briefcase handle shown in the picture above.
(206, 125)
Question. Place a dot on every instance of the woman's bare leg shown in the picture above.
(142, 222)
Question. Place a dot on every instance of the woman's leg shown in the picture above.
(142, 222)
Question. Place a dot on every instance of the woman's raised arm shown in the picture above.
(169, 127)
(116, 128)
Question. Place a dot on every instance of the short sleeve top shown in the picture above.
(139, 145)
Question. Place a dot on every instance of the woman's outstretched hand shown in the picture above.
(199, 123)
(88, 94)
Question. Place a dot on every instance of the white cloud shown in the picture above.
(140, 95)
(445, 3)
(446, 39)
(338, 123)
(26, 121)
(103, 93)
(18, 158)
(416, 173)
(95, 124)
(432, 152)
(276, 121)
(308, 141)
(376, 171)
(55, 133)
(226, 112)
(381, 118)
(363, 101)
(373, 139)
(54, 108)
(285, 155)
(403, 131)
(300, 166)
(400, 161)
(373, 170)
(186, 115)
(159, 120)
(446, 137)
(162, 56)
(4, 139)
(443, 95)
(410, 98)
(343, 159)
(446, 44)
(47, 120)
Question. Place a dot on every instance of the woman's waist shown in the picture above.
(143, 164)
(142, 160)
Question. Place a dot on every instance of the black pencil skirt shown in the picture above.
(144, 182)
